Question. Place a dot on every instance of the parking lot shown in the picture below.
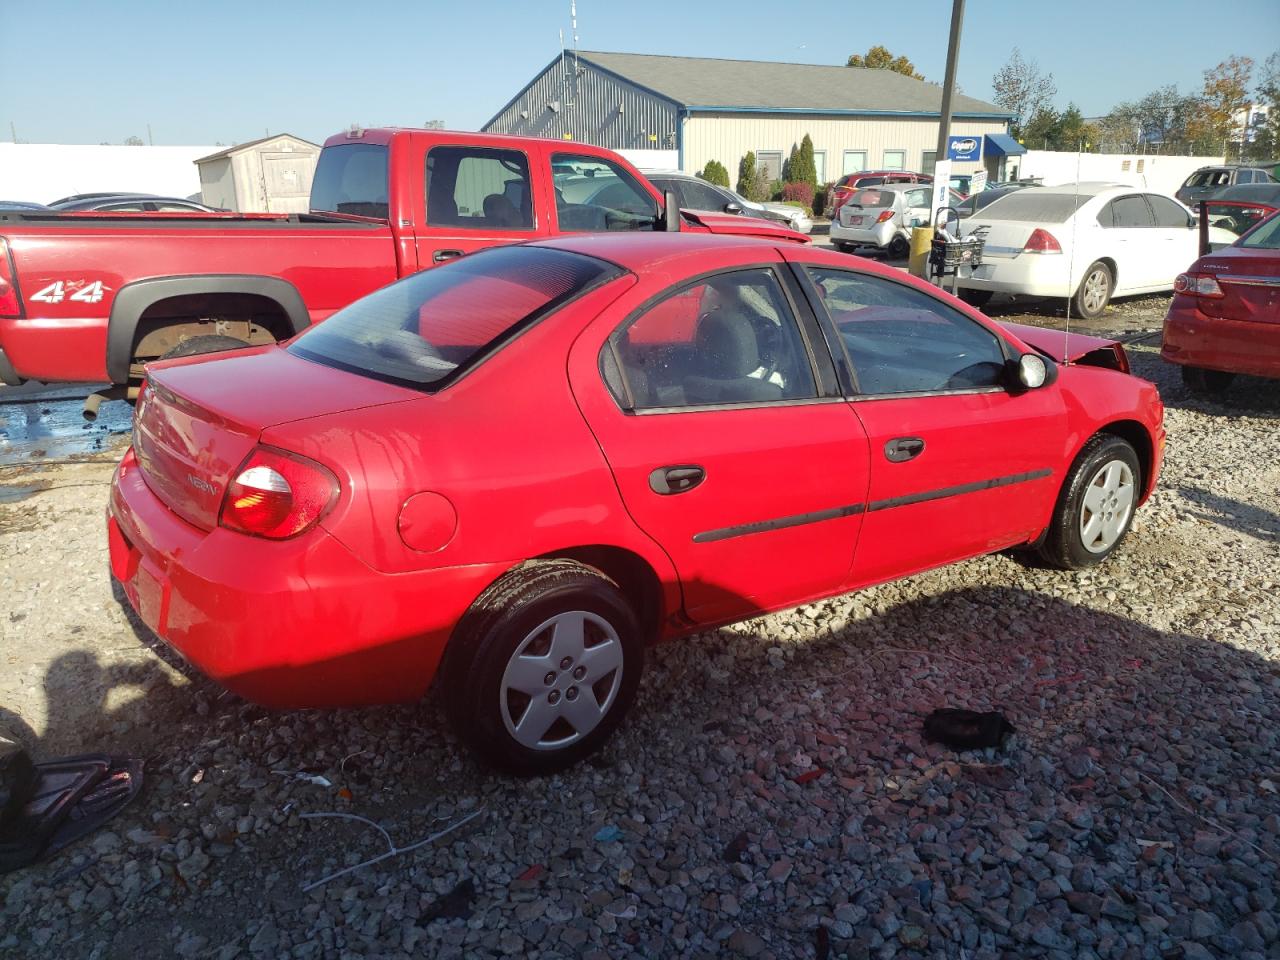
(770, 794)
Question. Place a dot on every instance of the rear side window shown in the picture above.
(476, 188)
(427, 329)
(1168, 213)
(1127, 212)
(351, 178)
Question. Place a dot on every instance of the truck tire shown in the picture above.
(1206, 383)
(200, 345)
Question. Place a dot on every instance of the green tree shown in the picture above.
(746, 172)
(789, 166)
(879, 58)
(1266, 142)
(714, 172)
(805, 169)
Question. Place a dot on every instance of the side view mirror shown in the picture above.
(670, 212)
(1033, 371)
(733, 206)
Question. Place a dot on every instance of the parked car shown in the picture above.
(131, 203)
(1238, 209)
(341, 519)
(1224, 318)
(844, 188)
(694, 193)
(1087, 242)
(977, 201)
(21, 205)
(961, 182)
(1207, 181)
(882, 217)
(88, 299)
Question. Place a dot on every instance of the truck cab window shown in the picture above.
(477, 188)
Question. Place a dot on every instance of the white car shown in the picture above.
(694, 193)
(882, 216)
(1088, 242)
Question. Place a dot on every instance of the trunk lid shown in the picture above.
(1250, 281)
(201, 417)
(1004, 239)
(732, 225)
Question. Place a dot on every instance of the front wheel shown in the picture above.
(1206, 383)
(542, 669)
(1094, 292)
(1096, 505)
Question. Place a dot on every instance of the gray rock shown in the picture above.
(745, 943)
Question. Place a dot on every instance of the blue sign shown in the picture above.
(964, 148)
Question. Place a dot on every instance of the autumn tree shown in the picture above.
(1023, 90)
(879, 58)
(1266, 143)
(1225, 95)
(714, 172)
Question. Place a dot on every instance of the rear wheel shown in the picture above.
(842, 246)
(1206, 382)
(1094, 292)
(1096, 505)
(899, 248)
(195, 346)
(542, 669)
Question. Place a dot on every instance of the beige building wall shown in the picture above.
(726, 137)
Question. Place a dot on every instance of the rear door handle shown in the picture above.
(440, 256)
(901, 449)
(666, 481)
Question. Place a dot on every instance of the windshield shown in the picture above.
(427, 329)
(1036, 206)
(1265, 237)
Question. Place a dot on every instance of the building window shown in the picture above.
(820, 165)
(855, 161)
(895, 159)
(928, 161)
(771, 162)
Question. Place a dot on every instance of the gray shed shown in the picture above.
(270, 175)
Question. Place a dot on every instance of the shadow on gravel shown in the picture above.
(1242, 517)
(1140, 789)
(1253, 397)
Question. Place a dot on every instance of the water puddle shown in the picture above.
(48, 423)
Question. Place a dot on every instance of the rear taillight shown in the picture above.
(885, 216)
(1042, 241)
(10, 301)
(277, 495)
(1197, 285)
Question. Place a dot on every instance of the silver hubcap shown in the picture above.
(1108, 502)
(561, 681)
(1095, 291)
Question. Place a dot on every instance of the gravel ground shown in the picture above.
(770, 795)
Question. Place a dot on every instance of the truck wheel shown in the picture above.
(1096, 504)
(543, 667)
(1206, 383)
(207, 344)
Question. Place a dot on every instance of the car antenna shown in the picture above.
(1071, 260)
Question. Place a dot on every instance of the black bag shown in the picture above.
(967, 729)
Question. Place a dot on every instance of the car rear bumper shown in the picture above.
(1193, 339)
(1027, 274)
(875, 235)
(293, 623)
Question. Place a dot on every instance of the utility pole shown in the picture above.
(13, 131)
(150, 140)
(942, 166)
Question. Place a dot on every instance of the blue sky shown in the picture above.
(75, 71)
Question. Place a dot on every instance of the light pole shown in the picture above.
(942, 166)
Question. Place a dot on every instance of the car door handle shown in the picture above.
(901, 449)
(440, 256)
(666, 481)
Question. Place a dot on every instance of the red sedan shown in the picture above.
(513, 472)
(1225, 315)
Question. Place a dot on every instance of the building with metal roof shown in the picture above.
(680, 112)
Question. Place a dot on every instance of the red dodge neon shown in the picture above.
(516, 470)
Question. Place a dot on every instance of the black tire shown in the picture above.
(195, 346)
(842, 247)
(975, 298)
(899, 248)
(1206, 383)
(1094, 292)
(1064, 543)
(505, 619)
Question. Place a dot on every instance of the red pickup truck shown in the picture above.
(93, 297)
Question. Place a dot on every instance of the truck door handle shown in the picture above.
(666, 481)
(440, 256)
(901, 449)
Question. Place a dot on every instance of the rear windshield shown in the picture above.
(873, 198)
(1036, 206)
(427, 329)
(351, 178)
(1265, 237)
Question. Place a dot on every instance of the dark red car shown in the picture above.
(1224, 318)
(513, 472)
(851, 183)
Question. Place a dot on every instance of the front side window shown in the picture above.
(428, 328)
(595, 195)
(731, 338)
(477, 188)
(901, 340)
(700, 196)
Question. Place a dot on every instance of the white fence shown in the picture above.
(1161, 173)
(44, 172)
